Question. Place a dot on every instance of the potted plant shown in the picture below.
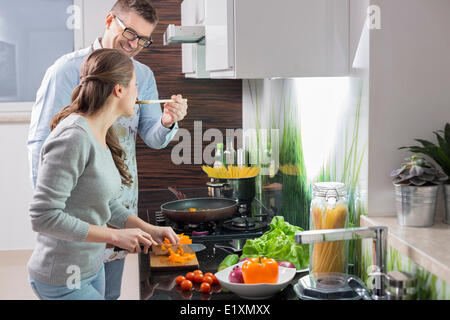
(416, 185)
(440, 153)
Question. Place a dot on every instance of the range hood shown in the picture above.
(184, 34)
(192, 40)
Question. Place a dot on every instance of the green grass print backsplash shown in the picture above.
(281, 111)
(272, 105)
(291, 175)
(296, 192)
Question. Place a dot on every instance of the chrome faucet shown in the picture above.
(379, 236)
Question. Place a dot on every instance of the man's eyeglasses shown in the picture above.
(131, 35)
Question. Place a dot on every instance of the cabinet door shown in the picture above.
(192, 12)
(193, 55)
(291, 38)
(219, 34)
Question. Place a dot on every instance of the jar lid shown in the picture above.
(400, 279)
(329, 189)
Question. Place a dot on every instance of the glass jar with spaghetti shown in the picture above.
(329, 210)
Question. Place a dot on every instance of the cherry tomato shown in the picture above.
(198, 278)
(186, 285)
(208, 279)
(215, 280)
(190, 276)
(209, 274)
(205, 287)
(198, 271)
(179, 279)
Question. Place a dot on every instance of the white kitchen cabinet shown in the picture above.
(193, 54)
(253, 39)
(219, 35)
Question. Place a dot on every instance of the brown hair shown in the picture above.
(141, 7)
(100, 72)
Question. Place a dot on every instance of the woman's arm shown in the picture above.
(128, 239)
(63, 159)
(122, 218)
(157, 233)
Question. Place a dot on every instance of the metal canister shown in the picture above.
(400, 286)
(447, 203)
(416, 206)
(215, 189)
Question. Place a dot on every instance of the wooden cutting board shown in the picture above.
(162, 262)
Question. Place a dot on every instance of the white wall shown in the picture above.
(15, 188)
(93, 15)
(15, 185)
(409, 87)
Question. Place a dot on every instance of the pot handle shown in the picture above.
(180, 195)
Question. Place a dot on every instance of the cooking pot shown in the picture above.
(216, 189)
(241, 189)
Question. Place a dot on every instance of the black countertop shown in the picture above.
(160, 285)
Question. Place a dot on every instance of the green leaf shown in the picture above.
(416, 171)
(278, 243)
(415, 149)
(425, 143)
(447, 132)
(442, 143)
(445, 160)
(417, 182)
(228, 261)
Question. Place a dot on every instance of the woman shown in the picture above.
(80, 175)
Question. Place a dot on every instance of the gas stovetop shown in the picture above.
(250, 221)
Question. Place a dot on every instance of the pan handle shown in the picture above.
(228, 249)
(178, 194)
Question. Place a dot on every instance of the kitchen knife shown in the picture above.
(196, 247)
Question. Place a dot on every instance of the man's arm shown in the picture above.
(151, 129)
(54, 94)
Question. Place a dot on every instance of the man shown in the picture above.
(128, 27)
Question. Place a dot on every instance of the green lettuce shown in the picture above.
(278, 243)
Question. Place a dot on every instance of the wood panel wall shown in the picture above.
(217, 103)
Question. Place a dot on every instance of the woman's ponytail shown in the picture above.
(67, 110)
(100, 72)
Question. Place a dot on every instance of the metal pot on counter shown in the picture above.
(241, 189)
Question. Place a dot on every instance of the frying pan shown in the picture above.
(206, 209)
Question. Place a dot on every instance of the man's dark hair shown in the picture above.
(141, 7)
